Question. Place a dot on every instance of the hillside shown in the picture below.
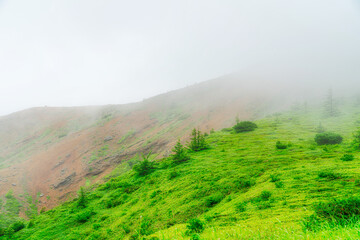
(242, 187)
(47, 153)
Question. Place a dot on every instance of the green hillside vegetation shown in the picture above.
(242, 185)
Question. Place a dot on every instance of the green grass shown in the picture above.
(242, 187)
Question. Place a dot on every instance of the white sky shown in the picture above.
(92, 52)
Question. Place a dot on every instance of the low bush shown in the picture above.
(274, 178)
(17, 226)
(241, 207)
(339, 209)
(84, 216)
(263, 205)
(328, 138)
(311, 223)
(244, 183)
(280, 145)
(173, 174)
(214, 199)
(336, 212)
(329, 175)
(245, 126)
(194, 226)
(265, 195)
(347, 157)
(279, 184)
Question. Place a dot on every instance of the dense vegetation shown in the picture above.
(245, 126)
(245, 185)
(328, 138)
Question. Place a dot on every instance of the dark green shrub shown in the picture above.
(214, 199)
(9, 232)
(112, 202)
(311, 223)
(274, 178)
(263, 205)
(96, 226)
(17, 226)
(241, 207)
(195, 226)
(279, 184)
(145, 226)
(245, 126)
(347, 157)
(84, 216)
(180, 154)
(357, 183)
(173, 174)
(328, 138)
(154, 238)
(329, 175)
(126, 228)
(195, 236)
(280, 145)
(265, 195)
(244, 183)
(343, 211)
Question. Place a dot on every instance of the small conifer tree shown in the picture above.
(180, 154)
(330, 108)
(82, 198)
(198, 141)
(145, 167)
(356, 141)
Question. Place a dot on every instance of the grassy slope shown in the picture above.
(159, 205)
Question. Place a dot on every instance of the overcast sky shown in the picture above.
(91, 52)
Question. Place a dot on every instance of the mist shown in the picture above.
(66, 53)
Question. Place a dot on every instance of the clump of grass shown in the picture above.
(244, 183)
(173, 174)
(265, 195)
(241, 207)
(336, 212)
(194, 226)
(214, 199)
(84, 216)
(274, 178)
(279, 184)
(280, 145)
(329, 175)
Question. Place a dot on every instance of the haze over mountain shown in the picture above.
(66, 53)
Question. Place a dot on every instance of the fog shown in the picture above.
(87, 52)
